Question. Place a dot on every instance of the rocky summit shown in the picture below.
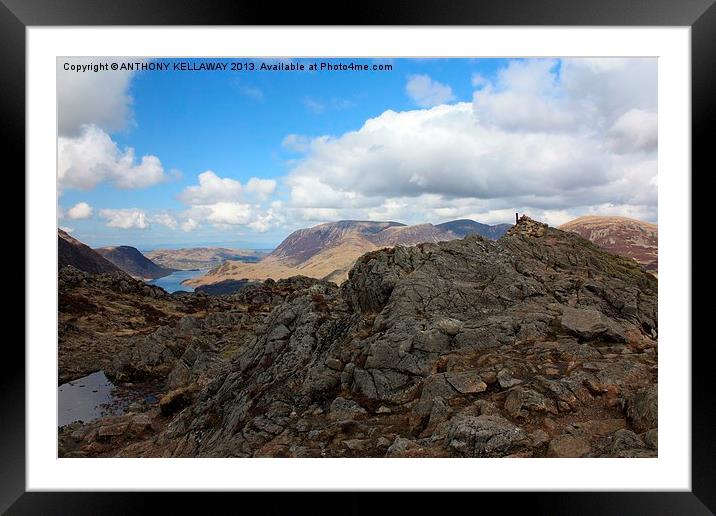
(539, 344)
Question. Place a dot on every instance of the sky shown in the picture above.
(177, 158)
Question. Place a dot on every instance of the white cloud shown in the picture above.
(189, 225)
(636, 130)
(318, 214)
(164, 219)
(525, 97)
(478, 80)
(67, 229)
(530, 141)
(426, 92)
(224, 202)
(81, 210)
(92, 158)
(212, 189)
(272, 218)
(296, 142)
(232, 213)
(92, 98)
(261, 188)
(125, 218)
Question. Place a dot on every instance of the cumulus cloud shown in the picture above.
(67, 229)
(636, 130)
(427, 92)
(81, 210)
(102, 99)
(125, 218)
(189, 225)
(555, 139)
(92, 158)
(231, 213)
(212, 189)
(165, 219)
(260, 188)
(223, 201)
(220, 213)
(272, 218)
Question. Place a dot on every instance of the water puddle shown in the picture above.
(95, 396)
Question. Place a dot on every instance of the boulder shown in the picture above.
(484, 436)
(591, 324)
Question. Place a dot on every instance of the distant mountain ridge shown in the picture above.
(626, 237)
(328, 251)
(133, 262)
(202, 257)
(71, 251)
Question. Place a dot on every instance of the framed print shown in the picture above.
(417, 250)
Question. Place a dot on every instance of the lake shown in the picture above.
(172, 283)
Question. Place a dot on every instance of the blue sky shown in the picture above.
(244, 157)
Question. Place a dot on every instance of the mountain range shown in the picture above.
(329, 250)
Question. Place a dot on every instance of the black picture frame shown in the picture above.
(700, 15)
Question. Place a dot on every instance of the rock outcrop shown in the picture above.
(538, 344)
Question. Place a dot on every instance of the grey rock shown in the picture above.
(484, 436)
(343, 408)
(626, 443)
(450, 327)
(437, 386)
(591, 324)
(400, 446)
(505, 379)
(364, 384)
(520, 398)
(466, 382)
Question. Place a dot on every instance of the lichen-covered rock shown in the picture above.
(485, 436)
